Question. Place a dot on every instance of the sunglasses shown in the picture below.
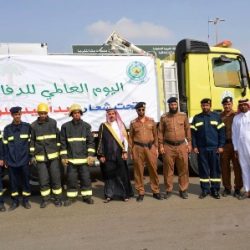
(140, 110)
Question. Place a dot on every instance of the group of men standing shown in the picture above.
(216, 138)
(43, 145)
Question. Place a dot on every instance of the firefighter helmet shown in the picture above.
(42, 107)
(75, 107)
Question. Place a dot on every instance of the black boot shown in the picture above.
(68, 202)
(58, 202)
(14, 205)
(44, 203)
(26, 204)
(139, 198)
(87, 199)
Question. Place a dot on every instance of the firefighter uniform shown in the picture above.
(208, 134)
(44, 146)
(229, 155)
(2, 207)
(17, 158)
(174, 134)
(143, 143)
(77, 145)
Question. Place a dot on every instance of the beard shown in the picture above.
(173, 111)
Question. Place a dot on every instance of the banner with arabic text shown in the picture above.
(94, 82)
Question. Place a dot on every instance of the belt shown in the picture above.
(148, 145)
(174, 143)
(228, 141)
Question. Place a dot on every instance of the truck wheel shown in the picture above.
(193, 164)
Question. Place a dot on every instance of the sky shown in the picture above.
(62, 23)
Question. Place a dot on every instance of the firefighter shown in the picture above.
(175, 143)
(44, 148)
(77, 151)
(208, 139)
(228, 154)
(2, 207)
(143, 146)
(17, 157)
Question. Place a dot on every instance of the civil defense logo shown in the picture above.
(137, 72)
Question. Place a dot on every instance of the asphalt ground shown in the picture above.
(149, 225)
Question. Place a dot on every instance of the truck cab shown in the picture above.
(209, 72)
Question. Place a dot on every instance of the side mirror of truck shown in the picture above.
(244, 75)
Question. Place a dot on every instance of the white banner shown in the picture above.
(94, 82)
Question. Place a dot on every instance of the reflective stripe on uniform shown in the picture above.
(220, 125)
(45, 192)
(26, 193)
(32, 149)
(45, 137)
(5, 142)
(24, 136)
(1, 193)
(53, 155)
(1, 136)
(14, 194)
(78, 161)
(63, 152)
(57, 191)
(198, 124)
(50, 156)
(40, 157)
(193, 127)
(86, 193)
(73, 139)
(11, 138)
(58, 144)
(72, 194)
(204, 180)
(214, 123)
(215, 179)
(92, 150)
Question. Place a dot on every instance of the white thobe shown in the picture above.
(241, 142)
(116, 129)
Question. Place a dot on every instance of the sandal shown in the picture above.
(107, 200)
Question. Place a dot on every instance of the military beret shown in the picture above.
(16, 109)
(140, 105)
(242, 101)
(226, 99)
(172, 99)
(206, 100)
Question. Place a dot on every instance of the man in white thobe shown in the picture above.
(241, 141)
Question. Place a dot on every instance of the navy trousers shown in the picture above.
(209, 170)
(19, 178)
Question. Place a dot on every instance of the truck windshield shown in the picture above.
(226, 73)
